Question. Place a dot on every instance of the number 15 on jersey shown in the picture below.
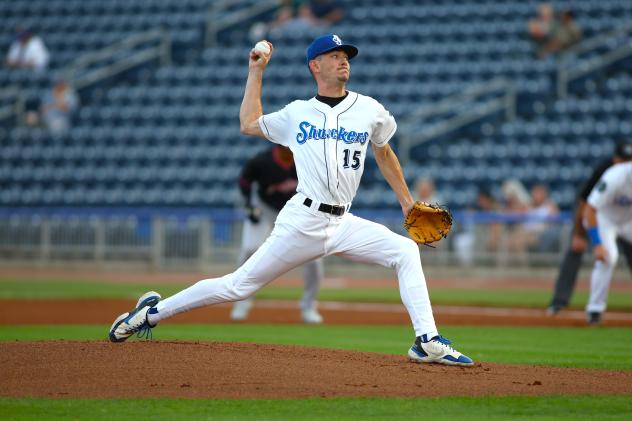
(355, 159)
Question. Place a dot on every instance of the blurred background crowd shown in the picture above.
(122, 111)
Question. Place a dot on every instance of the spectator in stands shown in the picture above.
(473, 232)
(425, 191)
(540, 234)
(295, 15)
(486, 203)
(321, 13)
(27, 52)
(516, 197)
(542, 27)
(565, 34)
(551, 33)
(517, 202)
(58, 107)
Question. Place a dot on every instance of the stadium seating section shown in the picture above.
(171, 137)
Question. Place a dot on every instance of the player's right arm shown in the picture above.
(251, 108)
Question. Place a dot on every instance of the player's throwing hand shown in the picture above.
(260, 56)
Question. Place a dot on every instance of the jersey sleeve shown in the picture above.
(589, 185)
(275, 126)
(384, 127)
(606, 188)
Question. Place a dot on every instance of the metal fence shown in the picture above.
(199, 238)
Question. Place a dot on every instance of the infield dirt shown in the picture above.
(69, 369)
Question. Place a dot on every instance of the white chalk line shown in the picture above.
(445, 310)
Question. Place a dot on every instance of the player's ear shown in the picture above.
(314, 66)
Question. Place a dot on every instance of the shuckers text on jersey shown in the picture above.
(310, 131)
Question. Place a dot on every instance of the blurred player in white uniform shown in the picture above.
(608, 215)
(329, 136)
(572, 260)
(273, 174)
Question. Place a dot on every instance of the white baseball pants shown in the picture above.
(252, 237)
(602, 271)
(302, 234)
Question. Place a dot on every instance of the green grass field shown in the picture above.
(20, 289)
(604, 348)
(453, 408)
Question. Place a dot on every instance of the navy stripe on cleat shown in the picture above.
(437, 350)
(135, 321)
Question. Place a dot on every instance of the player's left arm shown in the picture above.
(391, 170)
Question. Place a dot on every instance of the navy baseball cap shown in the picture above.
(327, 43)
(623, 149)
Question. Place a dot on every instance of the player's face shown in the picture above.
(335, 65)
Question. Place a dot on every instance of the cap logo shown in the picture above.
(336, 39)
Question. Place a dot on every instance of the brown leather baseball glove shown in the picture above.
(427, 223)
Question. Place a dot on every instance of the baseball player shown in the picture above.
(569, 268)
(608, 214)
(274, 175)
(329, 135)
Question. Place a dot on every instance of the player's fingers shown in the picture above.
(258, 55)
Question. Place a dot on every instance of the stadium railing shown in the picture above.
(601, 51)
(119, 57)
(224, 14)
(456, 111)
(12, 104)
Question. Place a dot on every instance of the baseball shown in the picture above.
(262, 47)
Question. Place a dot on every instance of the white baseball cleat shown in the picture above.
(135, 321)
(311, 316)
(240, 310)
(437, 350)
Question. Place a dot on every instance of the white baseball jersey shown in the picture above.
(612, 195)
(330, 144)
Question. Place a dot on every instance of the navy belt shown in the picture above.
(323, 207)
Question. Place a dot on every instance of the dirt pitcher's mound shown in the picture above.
(235, 370)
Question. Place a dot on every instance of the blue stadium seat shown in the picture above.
(165, 128)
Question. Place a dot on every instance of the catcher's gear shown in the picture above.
(427, 223)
